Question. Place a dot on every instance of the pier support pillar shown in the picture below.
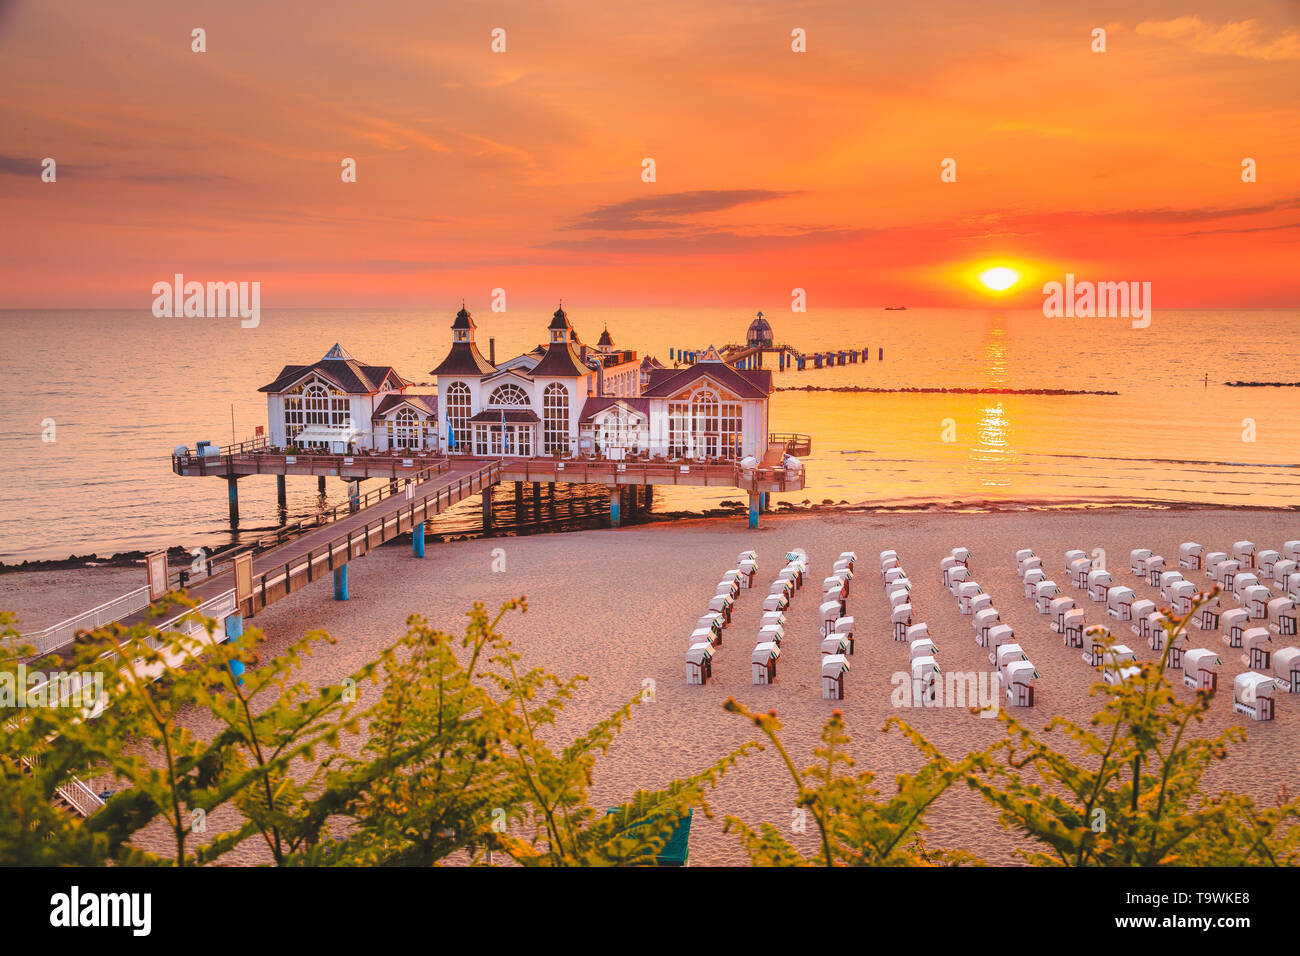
(320, 484)
(537, 496)
(234, 631)
(615, 494)
(487, 512)
(341, 583)
(232, 491)
(417, 540)
(354, 495)
(649, 496)
(753, 511)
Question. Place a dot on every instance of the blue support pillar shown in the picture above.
(615, 519)
(232, 490)
(417, 540)
(753, 511)
(341, 583)
(234, 631)
(281, 493)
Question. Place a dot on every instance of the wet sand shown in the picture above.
(618, 606)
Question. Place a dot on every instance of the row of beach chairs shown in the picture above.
(921, 650)
(1015, 670)
(836, 626)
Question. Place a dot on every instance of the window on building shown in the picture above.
(458, 412)
(404, 430)
(508, 394)
(555, 419)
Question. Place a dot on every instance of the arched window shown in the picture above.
(405, 429)
(555, 419)
(508, 394)
(458, 406)
(314, 403)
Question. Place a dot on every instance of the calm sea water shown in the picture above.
(124, 388)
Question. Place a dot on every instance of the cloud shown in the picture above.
(645, 213)
(1245, 38)
(713, 242)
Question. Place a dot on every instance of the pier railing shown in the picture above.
(795, 443)
(224, 562)
(58, 635)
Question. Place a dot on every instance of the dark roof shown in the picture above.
(560, 320)
(596, 405)
(760, 324)
(747, 383)
(463, 319)
(348, 374)
(428, 404)
(605, 341)
(513, 416)
(651, 362)
(560, 361)
(464, 359)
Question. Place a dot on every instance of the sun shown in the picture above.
(999, 278)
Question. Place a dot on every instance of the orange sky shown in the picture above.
(522, 169)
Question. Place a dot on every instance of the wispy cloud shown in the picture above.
(1246, 38)
(646, 213)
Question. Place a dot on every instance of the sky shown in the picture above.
(774, 170)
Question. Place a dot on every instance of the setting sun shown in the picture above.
(999, 278)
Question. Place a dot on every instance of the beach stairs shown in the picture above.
(74, 795)
(676, 850)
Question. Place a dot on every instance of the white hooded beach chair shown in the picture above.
(1244, 553)
(1033, 577)
(1005, 654)
(925, 674)
(714, 623)
(1201, 669)
(703, 635)
(1078, 571)
(1252, 695)
(1137, 561)
(1235, 621)
(922, 647)
(791, 575)
(1138, 614)
(1167, 580)
(1286, 667)
(1212, 560)
(1265, 562)
(1073, 555)
(698, 663)
(730, 587)
(1225, 573)
(834, 644)
(1255, 601)
(899, 597)
(917, 632)
(830, 613)
(1056, 612)
(1181, 596)
(1293, 585)
(782, 586)
(886, 555)
(775, 602)
(1291, 551)
(1044, 591)
(722, 604)
(1119, 603)
(890, 576)
(1282, 616)
(962, 555)
(983, 622)
(1207, 617)
(1073, 627)
(999, 635)
(1176, 651)
(747, 571)
(965, 592)
(887, 565)
(834, 667)
(1118, 664)
(1099, 583)
(1026, 559)
(1245, 579)
(945, 570)
(849, 556)
(957, 577)
(901, 618)
(1153, 629)
(1155, 566)
(763, 662)
(1282, 570)
(1257, 648)
(747, 556)
(1019, 678)
(981, 602)
(771, 633)
(844, 629)
(1024, 553)
(1190, 555)
(772, 617)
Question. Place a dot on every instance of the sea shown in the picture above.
(953, 409)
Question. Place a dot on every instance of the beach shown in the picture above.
(618, 606)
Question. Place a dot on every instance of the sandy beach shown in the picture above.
(618, 605)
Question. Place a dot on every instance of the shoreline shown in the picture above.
(182, 555)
